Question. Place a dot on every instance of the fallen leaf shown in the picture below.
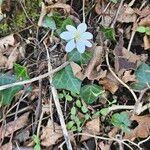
(140, 131)
(12, 58)
(126, 14)
(6, 42)
(91, 127)
(50, 134)
(92, 71)
(146, 42)
(7, 146)
(104, 146)
(110, 83)
(13, 126)
(144, 12)
(128, 76)
(3, 60)
(145, 21)
(77, 70)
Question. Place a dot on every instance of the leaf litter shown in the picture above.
(94, 99)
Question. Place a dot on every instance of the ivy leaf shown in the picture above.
(141, 29)
(21, 72)
(143, 76)
(121, 121)
(109, 33)
(7, 95)
(65, 79)
(49, 22)
(90, 93)
(79, 58)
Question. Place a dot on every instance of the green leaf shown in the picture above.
(37, 147)
(84, 109)
(21, 72)
(147, 30)
(79, 58)
(65, 79)
(7, 95)
(109, 33)
(73, 111)
(68, 98)
(141, 29)
(90, 93)
(1, 1)
(67, 21)
(70, 124)
(121, 121)
(49, 22)
(104, 111)
(78, 103)
(143, 76)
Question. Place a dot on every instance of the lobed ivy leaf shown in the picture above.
(49, 22)
(121, 120)
(7, 95)
(21, 72)
(90, 93)
(65, 79)
(79, 58)
(143, 76)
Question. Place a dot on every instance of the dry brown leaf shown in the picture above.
(13, 126)
(104, 146)
(77, 71)
(3, 60)
(128, 76)
(92, 71)
(110, 83)
(146, 42)
(91, 127)
(144, 12)
(7, 146)
(12, 58)
(50, 134)
(145, 21)
(127, 15)
(142, 130)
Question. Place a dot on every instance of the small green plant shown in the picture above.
(122, 121)
(143, 29)
(37, 142)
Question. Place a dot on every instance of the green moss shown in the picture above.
(4, 28)
(20, 20)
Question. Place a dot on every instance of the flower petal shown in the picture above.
(82, 27)
(67, 35)
(80, 46)
(70, 46)
(86, 35)
(87, 43)
(71, 29)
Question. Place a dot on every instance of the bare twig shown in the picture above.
(83, 10)
(57, 104)
(35, 78)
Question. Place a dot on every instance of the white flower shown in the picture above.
(77, 38)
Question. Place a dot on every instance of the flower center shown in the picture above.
(77, 36)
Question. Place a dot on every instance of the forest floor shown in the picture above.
(75, 74)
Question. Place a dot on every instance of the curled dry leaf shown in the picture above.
(92, 71)
(124, 59)
(6, 42)
(91, 127)
(146, 42)
(77, 70)
(126, 14)
(13, 126)
(142, 130)
(110, 83)
(7, 146)
(128, 76)
(50, 134)
(3, 60)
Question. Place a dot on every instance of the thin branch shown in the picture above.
(83, 10)
(35, 78)
(57, 104)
